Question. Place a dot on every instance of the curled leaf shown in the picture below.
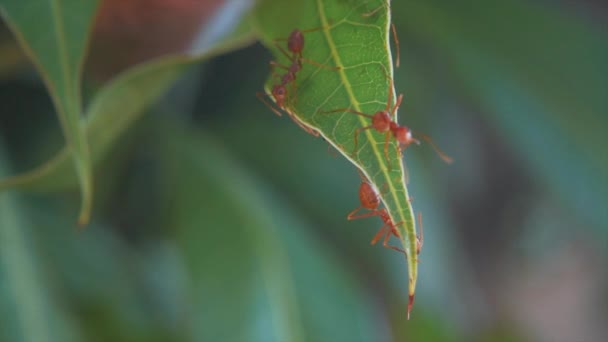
(347, 67)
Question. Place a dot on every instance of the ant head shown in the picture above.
(404, 136)
(368, 196)
(295, 42)
(279, 93)
(382, 121)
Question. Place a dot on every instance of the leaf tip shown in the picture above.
(84, 217)
(410, 304)
(83, 220)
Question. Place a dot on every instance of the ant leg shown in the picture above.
(369, 14)
(348, 110)
(386, 245)
(440, 153)
(388, 160)
(308, 130)
(293, 91)
(394, 229)
(310, 61)
(390, 96)
(352, 215)
(397, 104)
(303, 31)
(262, 97)
(362, 175)
(278, 46)
(315, 29)
(396, 43)
(331, 151)
(357, 131)
(274, 64)
(379, 234)
(383, 232)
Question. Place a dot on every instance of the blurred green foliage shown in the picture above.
(56, 44)
(215, 220)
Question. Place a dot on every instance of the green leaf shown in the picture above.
(27, 311)
(116, 107)
(355, 38)
(55, 34)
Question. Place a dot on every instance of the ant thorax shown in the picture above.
(381, 121)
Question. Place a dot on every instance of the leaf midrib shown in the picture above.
(61, 50)
(355, 103)
(409, 231)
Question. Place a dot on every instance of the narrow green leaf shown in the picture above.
(27, 311)
(355, 38)
(116, 107)
(55, 34)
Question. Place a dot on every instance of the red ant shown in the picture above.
(382, 122)
(295, 45)
(370, 200)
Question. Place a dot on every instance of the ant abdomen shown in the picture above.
(295, 42)
(368, 196)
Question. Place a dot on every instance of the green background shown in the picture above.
(216, 220)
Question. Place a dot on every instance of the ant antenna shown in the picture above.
(440, 153)
(373, 12)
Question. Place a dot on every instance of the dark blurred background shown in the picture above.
(216, 220)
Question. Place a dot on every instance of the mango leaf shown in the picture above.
(116, 107)
(55, 34)
(354, 37)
